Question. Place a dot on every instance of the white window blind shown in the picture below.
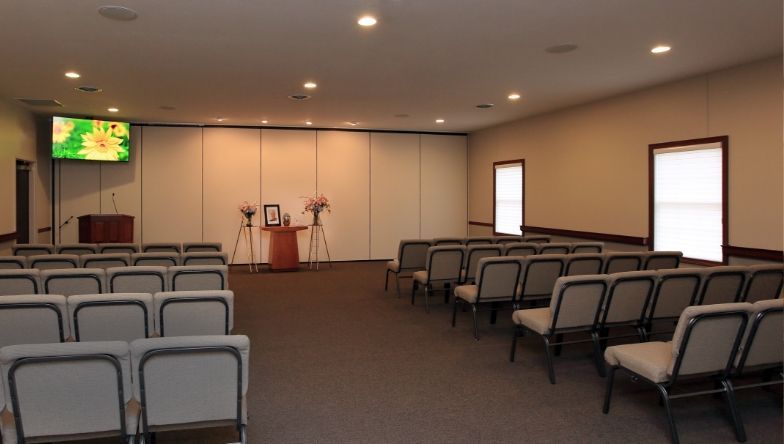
(688, 201)
(508, 198)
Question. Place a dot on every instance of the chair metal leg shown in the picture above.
(428, 289)
(641, 333)
(447, 292)
(386, 280)
(414, 288)
(558, 339)
(454, 311)
(515, 333)
(397, 283)
(737, 422)
(243, 434)
(549, 360)
(476, 329)
(597, 354)
(665, 398)
(608, 390)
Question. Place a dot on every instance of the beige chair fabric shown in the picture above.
(619, 262)
(111, 316)
(628, 297)
(118, 248)
(555, 248)
(54, 261)
(194, 313)
(722, 285)
(162, 247)
(33, 319)
(20, 282)
(105, 260)
(521, 249)
(411, 256)
(13, 262)
(580, 264)
(156, 259)
(32, 249)
(474, 253)
(660, 260)
(497, 279)
(586, 247)
(443, 266)
(677, 290)
(204, 258)
(539, 274)
(197, 247)
(77, 249)
(138, 279)
(77, 281)
(198, 277)
(764, 282)
(762, 344)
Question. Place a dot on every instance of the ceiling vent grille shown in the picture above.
(40, 102)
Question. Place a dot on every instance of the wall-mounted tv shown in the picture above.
(87, 139)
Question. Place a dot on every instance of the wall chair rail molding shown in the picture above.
(753, 253)
(606, 237)
(480, 224)
(7, 237)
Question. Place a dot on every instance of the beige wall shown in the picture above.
(587, 166)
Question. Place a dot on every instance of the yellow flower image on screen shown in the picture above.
(100, 145)
(88, 139)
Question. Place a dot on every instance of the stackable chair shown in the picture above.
(474, 253)
(659, 260)
(443, 266)
(32, 249)
(118, 248)
(111, 316)
(105, 260)
(20, 282)
(191, 382)
(53, 261)
(506, 239)
(72, 390)
(440, 241)
(520, 248)
(705, 345)
(538, 277)
(162, 247)
(198, 277)
(555, 248)
(722, 285)
(196, 247)
(626, 304)
(584, 263)
(13, 262)
(496, 283)
(676, 290)
(139, 279)
(157, 259)
(764, 282)
(194, 313)
(33, 319)
(479, 240)
(537, 238)
(619, 262)
(411, 257)
(77, 249)
(586, 247)
(760, 353)
(574, 308)
(76, 281)
(204, 258)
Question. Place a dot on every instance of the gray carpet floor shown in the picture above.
(335, 359)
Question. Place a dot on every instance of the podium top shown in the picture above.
(284, 229)
(106, 215)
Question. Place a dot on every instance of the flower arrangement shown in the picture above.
(248, 210)
(316, 204)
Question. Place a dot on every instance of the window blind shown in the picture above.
(688, 201)
(508, 198)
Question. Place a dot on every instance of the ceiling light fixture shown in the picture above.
(265, 121)
(440, 120)
(308, 122)
(367, 21)
(661, 49)
(513, 96)
(220, 119)
(118, 13)
(72, 75)
(352, 123)
(310, 85)
(112, 109)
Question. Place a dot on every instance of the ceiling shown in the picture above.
(427, 59)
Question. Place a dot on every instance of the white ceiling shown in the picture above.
(429, 59)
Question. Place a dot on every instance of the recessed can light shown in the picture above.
(310, 85)
(308, 122)
(72, 75)
(220, 119)
(112, 109)
(352, 123)
(440, 120)
(367, 20)
(265, 121)
(513, 96)
(661, 49)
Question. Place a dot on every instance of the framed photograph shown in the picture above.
(272, 215)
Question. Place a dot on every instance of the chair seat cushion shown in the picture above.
(648, 359)
(393, 266)
(467, 293)
(420, 276)
(535, 319)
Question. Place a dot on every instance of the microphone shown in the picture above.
(115, 205)
(66, 222)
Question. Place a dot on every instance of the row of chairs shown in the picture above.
(114, 280)
(107, 260)
(129, 248)
(79, 390)
(49, 318)
(477, 240)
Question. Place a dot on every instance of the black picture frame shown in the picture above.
(272, 216)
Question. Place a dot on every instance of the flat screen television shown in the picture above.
(86, 139)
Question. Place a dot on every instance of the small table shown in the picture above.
(283, 250)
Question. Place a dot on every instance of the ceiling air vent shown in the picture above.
(299, 97)
(40, 102)
(88, 89)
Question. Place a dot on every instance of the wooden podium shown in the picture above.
(105, 228)
(283, 250)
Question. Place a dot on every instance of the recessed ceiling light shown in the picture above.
(220, 119)
(310, 85)
(265, 121)
(112, 109)
(72, 75)
(352, 123)
(513, 96)
(561, 49)
(661, 49)
(308, 122)
(118, 13)
(485, 105)
(440, 120)
(367, 20)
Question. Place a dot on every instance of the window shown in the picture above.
(688, 204)
(508, 196)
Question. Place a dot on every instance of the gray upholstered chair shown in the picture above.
(443, 266)
(626, 305)
(496, 283)
(473, 254)
(162, 247)
(660, 260)
(139, 279)
(118, 248)
(555, 248)
(198, 277)
(760, 352)
(53, 261)
(479, 240)
(620, 261)
(502, 240)
(520, 248)
(32, 249)
(111, 316)
(705, 344)
(156, 259)
(20, 282)
(209, 389)
(411, 257)
(33, 319)
(676, 290)
(72, 390)
(76, 281)
(584, 263)
(574, 308)
(721, 285)
(197, 247)
(538, 277)
(77, 249)
(537, 238)
(586, 247)
(204, 258)
(194, 313)
(105, 260)
(440, 241)
(764, 282)
(13, 262)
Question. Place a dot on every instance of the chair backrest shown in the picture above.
(555, 248)
(474, 253)
(194, 313)
(105, 260)
(118, 248)
(32, 249)
(77, 281)
(677, 290)
(111, 316)
(584, 263)
(196, 247)
(204, 258)
(722, 285)
(764, 282)
(497, 278)
(762, 343)
(444, 263)
(507, 239)
(660, 260)
(628, 296)
(64, 390)
(479, 240)
(520, 248)
(140, 279)
(158, 259)
(210, 384)
(32, 319)
(198, 277)
(537, 238)
(586, 247)
(619, 262)
(412, 254)
(53, 261)
(77, 249)
(540, 273)
(20, 282)
(448, 241)
(162, 247)
(13, 262)
(577, 301)
(707, 338)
